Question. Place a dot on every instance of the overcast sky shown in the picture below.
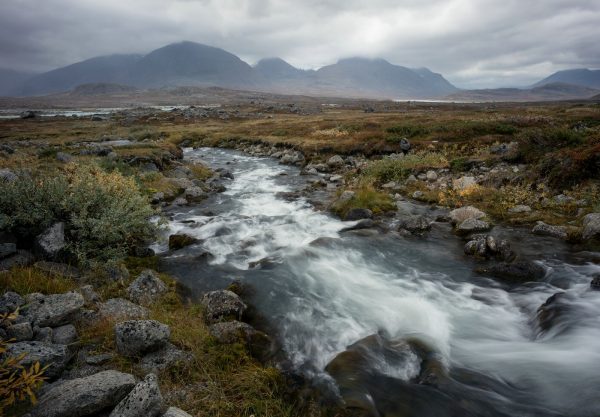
(473, 43)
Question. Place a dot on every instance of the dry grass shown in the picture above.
(29, 280)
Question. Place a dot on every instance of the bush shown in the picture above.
(386, 170)
(537, 142)
(366, 197)
(105, 214)
(409, 131)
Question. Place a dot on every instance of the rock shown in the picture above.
(181, 240)
(64, 157)
(543, 229)
(85, 396)
(56, 356)
(335, 161)
(415, 224)
(57, 269)
(519, 209)
(101, 359)
(194, 193)
(90, 296)
(431, 176)
(53, 310)
(404, 145)
(463, 183)
(459, 215)
(591, 226)
(231, 331)
(52, 240)
(295, 157)
(144, 400)
(136, 337)
(148, 167)
(222, 305)
(20, 331)
(64, 335)
(336, 178)
(146, 288)
(472, 226)
(43, 334)
(121, 309)
(516, 272)
(7, 175)
(21, 258)
(175, 412)
(27, 114)
(10, 301)
(417, 195)
(346, 196)
(157, 197)
(486, 246)
(595, 284)
(411, 179)
(117, 273)
(361, 224)
(358, 214)
(552, 314)
(164, 358)
(7, 249)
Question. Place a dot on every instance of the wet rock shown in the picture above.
(486, 246)
(53, 310)
(335, 161)
(55, 356)
(7, 175)
(146, 288)
(595, 284)
(591, 226)
(361, 224)
(21, 258)
(463, 183)
(516, 272)
(137, 337)
(85, 396)
(64, 335)
(57, 269)
(10, 301)
(459, 215)
(175, 412)
(52, 240)
(472, 226)
(194, 193)
(543, 229)
(181, 240)
(122, 309)
(416, 223)
(551, 314)
(164, 358)
(20, 331)
(520, 209)
(7, 249)
(358, 214)
(144, 400)
(222, 305)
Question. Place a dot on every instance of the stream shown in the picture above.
(323, 290)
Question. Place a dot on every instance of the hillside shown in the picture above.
(547, 92)
(582, 77)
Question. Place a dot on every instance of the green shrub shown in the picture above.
(105, 214)
(366, 197)
(386, 170)
(409, 131)
(537, 142)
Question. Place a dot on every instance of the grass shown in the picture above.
(386, 170)
(29, 280)
(366, 196)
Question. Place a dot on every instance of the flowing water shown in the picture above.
(323, 290)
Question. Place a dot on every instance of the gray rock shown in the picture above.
(137, 337)
(459, 215)
(463, 183)
(358, 214)
(10, 301)
(231, 331)
(519, 209)
(20, 331)
(516, 272)
(53, 310)
(595, 283)
(194, 193)
(21, 258)
(64, 157)
(591, 226)
(335, 161)
(55, 356)
(90, 296)
(164, 358)
(418, 195)
(43, 334)
(416, 223)
(157, 197)
(7, 175)
(175, 412)
(473, 226)
(144, 400)
(486, 246)
(346, 196)
(336, 178)
(149, 167)
(121, 309)
(222, 305)
(146, 288)
(117, 273)
(101, 359)
(543, 229)
(28, 114)
(52, 240)
(404, 145)
(431, 176)
(64, 335)
(58, 269)
(85, 396)
(7, 249)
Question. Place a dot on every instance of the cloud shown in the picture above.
(474, 43)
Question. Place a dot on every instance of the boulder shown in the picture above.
(404, 145)
(595, 284)
(54, 309)
(64, 335)
(86, 396)
(137, 337)
(543, 229)
(222, 305)
(146, 288)
(10, 301)
(335, 161)
(516, 272)
(463, 183)
(181, 240)
(7, 249)
(164, 358)
(121, 309)
(346, 196)
(43, 334)
(519, 209)
(416, 223)
(194, 193)
(7, 175)
(591, 226)
(52, 240)
(554, 313)
(431, 176)
(21, 258)
(20, 331)
(358, 214)
(231, 331)
(90, 296)
(57, 269)
(175, 412)
(472, 226)
(459, 215)
(27, 114)
(144, 400)
(55, 356)
(97, 360)
(486, 246)
(417, 195)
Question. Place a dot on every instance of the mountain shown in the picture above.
(278, 69)
(582, 76)
(10, 80)
(547, 92)
(193, 64)
(111, 69)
